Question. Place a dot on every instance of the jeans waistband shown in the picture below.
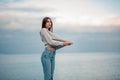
(50, 50)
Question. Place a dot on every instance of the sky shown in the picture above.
(92, 25)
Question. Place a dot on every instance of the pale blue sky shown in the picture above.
(92, 25)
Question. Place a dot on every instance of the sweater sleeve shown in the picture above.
(49, 39)
(57, 38)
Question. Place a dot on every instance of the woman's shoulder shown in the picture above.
(43, 29)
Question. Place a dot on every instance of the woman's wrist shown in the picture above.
(67, 43)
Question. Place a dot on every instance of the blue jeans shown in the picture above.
(48, 63)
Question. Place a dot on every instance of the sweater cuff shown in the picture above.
(61, 43)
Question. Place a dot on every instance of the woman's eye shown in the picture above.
(48, 22)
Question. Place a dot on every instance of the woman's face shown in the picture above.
(48, 23)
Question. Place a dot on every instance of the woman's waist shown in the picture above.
(50, 47)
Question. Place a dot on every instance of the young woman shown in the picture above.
(52, 42)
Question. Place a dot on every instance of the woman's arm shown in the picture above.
(49, 40)
(57, 38)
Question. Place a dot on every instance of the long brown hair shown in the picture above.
(44, 23)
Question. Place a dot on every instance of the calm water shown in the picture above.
(74, 66)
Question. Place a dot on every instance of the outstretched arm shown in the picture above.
(49, 39)
(57, 38)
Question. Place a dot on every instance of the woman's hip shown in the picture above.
(47, 53)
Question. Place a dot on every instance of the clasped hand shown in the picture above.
(67, 43)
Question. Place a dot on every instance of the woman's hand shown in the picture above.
(67, 43)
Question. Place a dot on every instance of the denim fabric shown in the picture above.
(48, 63)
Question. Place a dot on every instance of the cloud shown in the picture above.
(23, 15)
(112, 21)
(26, 8)
(20, 23)
(76, 15)
(106, 24)
(31, 21)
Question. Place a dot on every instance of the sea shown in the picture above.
(68, 66)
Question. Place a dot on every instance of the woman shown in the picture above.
(52, 43)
